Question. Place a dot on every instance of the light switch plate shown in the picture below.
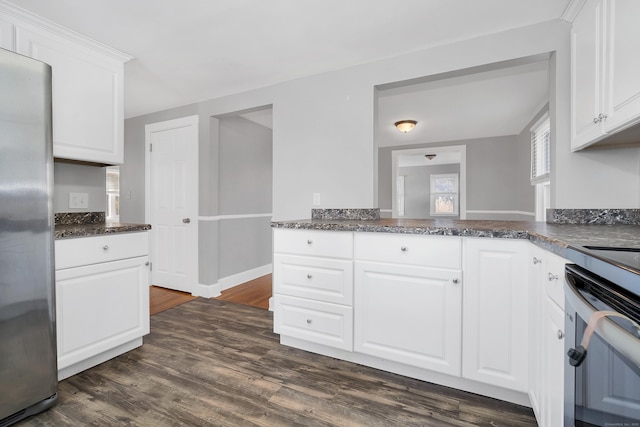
(78, 200)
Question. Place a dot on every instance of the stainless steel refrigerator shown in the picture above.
(28, 370)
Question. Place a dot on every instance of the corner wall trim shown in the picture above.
(239, 216)
(206, 291)
(533, 214)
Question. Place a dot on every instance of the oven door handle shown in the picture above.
(623, 341)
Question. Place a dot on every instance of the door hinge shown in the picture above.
(151, 148)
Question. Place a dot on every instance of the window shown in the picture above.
(541, 165)
(444, 194)
(113, 193)
(541, 150)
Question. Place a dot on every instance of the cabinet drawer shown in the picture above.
(321, 279)
(318, 322)
(92, 250)
(427, 251)
(336, 244)
(554, 278)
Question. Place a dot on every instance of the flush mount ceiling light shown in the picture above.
(430, 156)
(405, 126)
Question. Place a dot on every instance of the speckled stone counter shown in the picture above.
(553, 237)
(86, 224)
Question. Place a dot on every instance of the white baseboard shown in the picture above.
(213, 290)
(237, 279)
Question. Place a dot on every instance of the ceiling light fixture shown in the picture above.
(430, 156)
(405, 126)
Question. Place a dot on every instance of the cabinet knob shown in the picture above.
(536, 261)
(186, 220)
(560, 334)
(147, 263)
(309, 276)
(455, 281)
(308, 321)
(309, 242)
(403, 248)
(552, 277)
(105, 248)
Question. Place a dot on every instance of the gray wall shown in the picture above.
(417, 187)
(496, 178)
(245, 188)
(328, 119)
(74, 178)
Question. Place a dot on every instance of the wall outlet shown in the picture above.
(316, 199)
(78, 200)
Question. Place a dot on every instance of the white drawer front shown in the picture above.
(96, 249)
(427, 251)
(318, 322)
(554, 278)
(321, 279)
(336, 244)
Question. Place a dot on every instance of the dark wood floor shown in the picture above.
(216, 363)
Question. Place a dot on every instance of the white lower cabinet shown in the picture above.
(102, 308)
(495, 326)
(546, 364)
(409, 314)
(552, 373)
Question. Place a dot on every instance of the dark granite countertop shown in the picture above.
(553, 237)
(86, 230)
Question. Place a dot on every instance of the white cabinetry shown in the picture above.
(313, 286)
(102, 298)
(605, 90)
(408, 299)
(495, 300)
(546, 377)
(87, 85)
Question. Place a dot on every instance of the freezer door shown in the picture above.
(28, 372)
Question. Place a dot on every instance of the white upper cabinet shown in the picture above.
(605, 90)
(87, 85)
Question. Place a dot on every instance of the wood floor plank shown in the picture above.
(215, 363)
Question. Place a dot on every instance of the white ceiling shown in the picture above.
(189, 51)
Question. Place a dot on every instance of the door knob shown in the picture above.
(186, 220)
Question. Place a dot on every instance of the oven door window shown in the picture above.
(607, 386)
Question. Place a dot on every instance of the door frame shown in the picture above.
(462, 185)
(189, 121)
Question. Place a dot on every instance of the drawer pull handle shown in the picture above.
(308, 321)
(403, 248)
(552, 277)
(309, 276)
(560, 334)
(105, 248)
(309, 242)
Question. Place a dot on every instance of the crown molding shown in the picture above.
(572, 10)
(27, 17)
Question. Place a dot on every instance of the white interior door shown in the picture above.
(172, 202)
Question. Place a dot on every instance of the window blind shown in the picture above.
(541, 151)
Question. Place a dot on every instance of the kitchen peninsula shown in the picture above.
(102, 289)
(460, 303)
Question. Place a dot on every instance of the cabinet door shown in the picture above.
(586, 74)
(536, 316)
(554, 359)
(87, 96)
(495, 327)
(408, 314)
(99, 307)
(623, 64)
